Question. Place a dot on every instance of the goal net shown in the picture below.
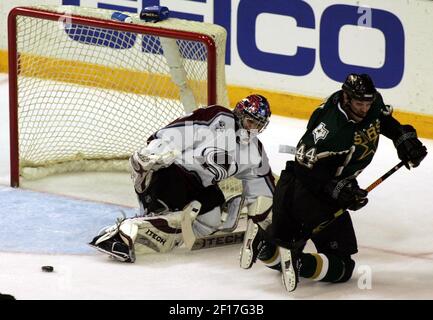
(87, 90)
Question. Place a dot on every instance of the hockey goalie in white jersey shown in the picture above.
(176, 179)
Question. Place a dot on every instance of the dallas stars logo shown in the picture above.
(368, 140)
(320, 132)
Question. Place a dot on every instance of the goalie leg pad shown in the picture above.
(158, 234)
(157, 154)
(117, 249)
(231, 213)
(115, 243)
(214, 220)
(105, 234)
(260, 211)
(190, 213)
(259, 218)
(140, 235)
(207, 223)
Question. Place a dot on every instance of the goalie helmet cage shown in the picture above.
(87, 90)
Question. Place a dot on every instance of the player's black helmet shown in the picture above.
(359, 87)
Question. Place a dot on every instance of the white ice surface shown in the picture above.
(395, 237)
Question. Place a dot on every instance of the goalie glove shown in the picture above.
(156, 155)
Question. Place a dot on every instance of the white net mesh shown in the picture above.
(89, 96)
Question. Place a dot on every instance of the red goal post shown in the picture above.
(88, 89)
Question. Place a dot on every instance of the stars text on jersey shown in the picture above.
(367, 139)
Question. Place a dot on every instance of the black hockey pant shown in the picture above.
(176, 188)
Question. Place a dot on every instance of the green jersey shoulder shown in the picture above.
(332, 138)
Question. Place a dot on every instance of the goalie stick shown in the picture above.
(286, 149)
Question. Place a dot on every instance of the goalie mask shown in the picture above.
(253, 113)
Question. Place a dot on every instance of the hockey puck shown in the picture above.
(47, 268)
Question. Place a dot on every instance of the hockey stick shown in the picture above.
(292, 150)
(286, 149)
(323, 225)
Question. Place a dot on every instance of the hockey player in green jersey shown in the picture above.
(340, 141)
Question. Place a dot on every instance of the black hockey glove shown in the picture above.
(347, 193)
(409, 149)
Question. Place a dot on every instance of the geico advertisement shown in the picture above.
(308, 47)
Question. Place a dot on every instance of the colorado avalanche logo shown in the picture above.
(219, 163)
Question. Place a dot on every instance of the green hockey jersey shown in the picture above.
(335, 147)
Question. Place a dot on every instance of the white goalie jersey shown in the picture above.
(209, 144)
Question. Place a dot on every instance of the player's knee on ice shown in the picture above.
(327, 267)
(315, 266)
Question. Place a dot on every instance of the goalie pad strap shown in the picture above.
(233, 208)
(260, 211)
(262, 206)
(109, 233)
(190, 212)
(261, 217)
(128, 231)
(162, 225)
